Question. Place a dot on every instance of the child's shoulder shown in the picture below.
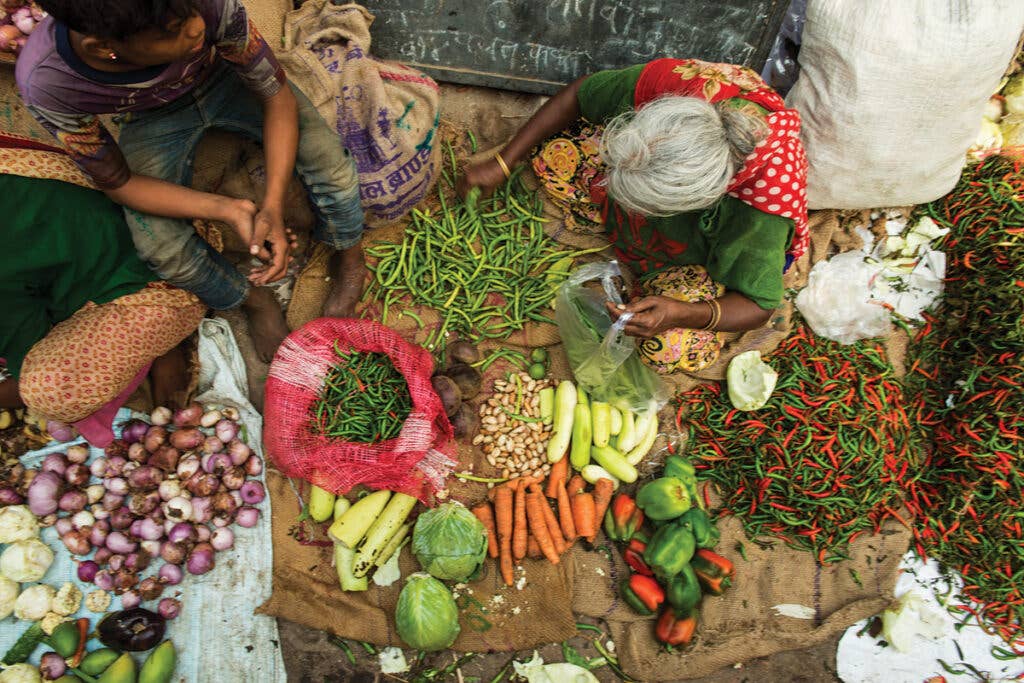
(37, 58)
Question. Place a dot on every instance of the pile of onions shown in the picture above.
(17, 20)
(163, 497)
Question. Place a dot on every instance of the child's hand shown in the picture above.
(269, 230)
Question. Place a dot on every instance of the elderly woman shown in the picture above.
(697, 174)
(84, 321)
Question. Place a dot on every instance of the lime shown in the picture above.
(539, 355)
(537, 371)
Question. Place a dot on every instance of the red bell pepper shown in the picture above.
(714, 572)
(675, 628)
(634, 557)
(623, 518)
(642, 593)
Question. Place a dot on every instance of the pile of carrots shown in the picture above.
(520, 521)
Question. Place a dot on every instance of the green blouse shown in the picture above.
(742, 248)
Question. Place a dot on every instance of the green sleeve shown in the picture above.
(606, 94)
(748, 251)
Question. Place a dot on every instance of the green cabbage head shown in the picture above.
(426, 616)
(449, 542)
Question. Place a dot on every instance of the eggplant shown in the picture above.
(132, 630)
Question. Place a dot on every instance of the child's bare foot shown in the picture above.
(170, 377)
(266, 322)
(348, 272)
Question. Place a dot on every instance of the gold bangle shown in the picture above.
(716, 315)
(504, 166)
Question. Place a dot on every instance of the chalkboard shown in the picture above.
(539, 45)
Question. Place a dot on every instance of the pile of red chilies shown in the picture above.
(967, 369)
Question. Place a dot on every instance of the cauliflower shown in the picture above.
(34, 602)
(20, 673)
(26, 561)
(8, 594)
(97, 601)
(51, 621)
(67, 600)
(17, 523)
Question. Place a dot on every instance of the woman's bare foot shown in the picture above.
(170, 377)
(348, 273)
(266, 322)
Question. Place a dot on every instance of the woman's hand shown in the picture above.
(486, 175)
(652, 315)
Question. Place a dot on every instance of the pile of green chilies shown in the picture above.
(823, 461)
(967, 371)
(364, 399)
(486, 266)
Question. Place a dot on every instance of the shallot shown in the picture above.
(180, 532)
(155, 437)
(77, 454)
(188, 466)
(133, 431)
(147, 530)
(95, 493)
(233, 478)
(10, 496)
(83, 519)
(175, 553)
(54, 462)
(166, 458)
(102, 557)
(145, 478)
(210, 418)
(73, 501)
(212, 445)
(200, 560)
(138, 453)
(99, 532)
(188, 416)
(130, 599)
(170, 574)
(77, 542)
(117, 486)
(98, 467)
(203, 533)
(254, 466)
(178, 509)
(247, 517)
(77, 474)
(104, 580)
(161, 416)
(52, 666)
(226, 430)
(238, 451)
(222, 539)
(202, 509)
(87, 571)
(252, 492)
(115, 465)
(187, 439)
(63, 525)
(138, 561)
(143, 503)
(202, 484)
(112, 501)
(150, 588)
(169, 608)
(169, 488)
(216, 463)
(58, 430)
(120, 543)
(43, 493)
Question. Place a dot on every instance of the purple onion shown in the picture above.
(112, 501)
(203, 533)
(116, 485)
(165, 458)
(104, 580)
(213, 445)
(188, 416)
(247, 517)
(254, 466)
(83, 520)
(145, 478)
(252, 492)
(137, 562)
(161, 416)
(77, 542)
(222, 539)
(77, 454)
(151, 588)
(143, 503)
(147, 530)
(156, 436)
(10, 496)
(151, 548)
(63, 526)
(238, 451)
(182, 531)
(233, 478)
(169, 488)
(87, 571)
(216, 463)
(133, 431)
(102, 556)
(178, 509)
(138, 453)
(54, 462)
(77, 474)
(202, 509)
(175, 553)
(171, 574)
(98, 467)
(187, 439)
(73, 501)
(168, 608)
(60, 431)
(52, 666)
(124, 580)
(130, 599)
(200, 560)
(202, 484)
(98, 533)
(116, 563)
(226, 430)
(188, 466)
(115, 466)
(119, 543)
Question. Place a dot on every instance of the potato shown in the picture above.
(468, 379)
(463, 352)
(449, 393)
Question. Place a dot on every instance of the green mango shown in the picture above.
(159, 667)
(97, 661)
(121, 671)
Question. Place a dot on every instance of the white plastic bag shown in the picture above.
(835, 302)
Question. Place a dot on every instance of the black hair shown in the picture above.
(117, 19)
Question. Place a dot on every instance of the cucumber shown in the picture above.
(350, 528)
(565, 401)
(601, 416)
(615, 463)
(579, 452)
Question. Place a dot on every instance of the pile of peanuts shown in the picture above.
(515, 447)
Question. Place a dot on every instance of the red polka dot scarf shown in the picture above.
(774, 177)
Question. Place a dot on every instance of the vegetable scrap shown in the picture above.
(364, 399)
(827, 459)
(966, 371)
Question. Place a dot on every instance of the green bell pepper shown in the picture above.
(663, 498)
(683, 590)
(670, 550)
(679, 467)
(704, 530)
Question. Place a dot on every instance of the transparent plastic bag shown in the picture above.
(603, 359)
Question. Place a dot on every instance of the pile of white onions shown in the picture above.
(17, 20)
(166, 493)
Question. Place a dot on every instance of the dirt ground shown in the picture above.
(311, 657)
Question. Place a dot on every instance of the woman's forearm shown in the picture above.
(739, 314)
(160, 198)
(554, 115)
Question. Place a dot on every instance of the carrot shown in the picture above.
(583, 514)
(575, 485)
(533, 548)
(551, 521)
(485, 514)
(535, 504)
(603, 489)
(559, 473)
(565, 514)
(519, 530)
(503, 521)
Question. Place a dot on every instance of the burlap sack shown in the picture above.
(493, 617)
(385, 112)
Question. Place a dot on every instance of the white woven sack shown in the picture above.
(891, 94)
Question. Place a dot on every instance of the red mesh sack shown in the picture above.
(416, 462)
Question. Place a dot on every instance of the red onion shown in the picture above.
(104, 580)
(231, 413)
(223, 520)
(120, 543)
(143, 503)
(233, 478)
(238, 451)
(202, 509)
(116, 448)
(203, 533)
(130, 599)
(100, 512)
(54, 462)
(187, 439)
(200, 560)
(151, 548)
(210, 418)
(166, 458)
(202, 484)
(73, 501)
(95, 493)
(169, 608)
(43, 493)
(178, 509)
(160, 416)
(188, 416)
(222, 539)
(116, 562)
(254, 465)
(188, 466)
(145, 478)
(115, 466)
(60, 431)
(170, 574)
(87, 571)
(98, 467)
(175, 553)
(252, 492)
(83, 520)
(182, 531)
(102, 556)
(134, 431)
(98, 533)
(156, 436)
(112, 501)
(137, 453)
(77, 454)
(116, 485)
(150, 588)
(212, 445)
(137, 562)
(216, 463)
(223, 503)
(10, 496)
(148, 530)
(226, 430)
(169, 488)
(77, 474)
(129, 467)
(52, 666)
(63, 525)
(77, 542)
(47, 520)
(247, 517)
(124, 580)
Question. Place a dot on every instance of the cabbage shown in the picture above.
(1013, 91)
(8, 594)
(449, 542)
(750, 380)
(426, 615)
